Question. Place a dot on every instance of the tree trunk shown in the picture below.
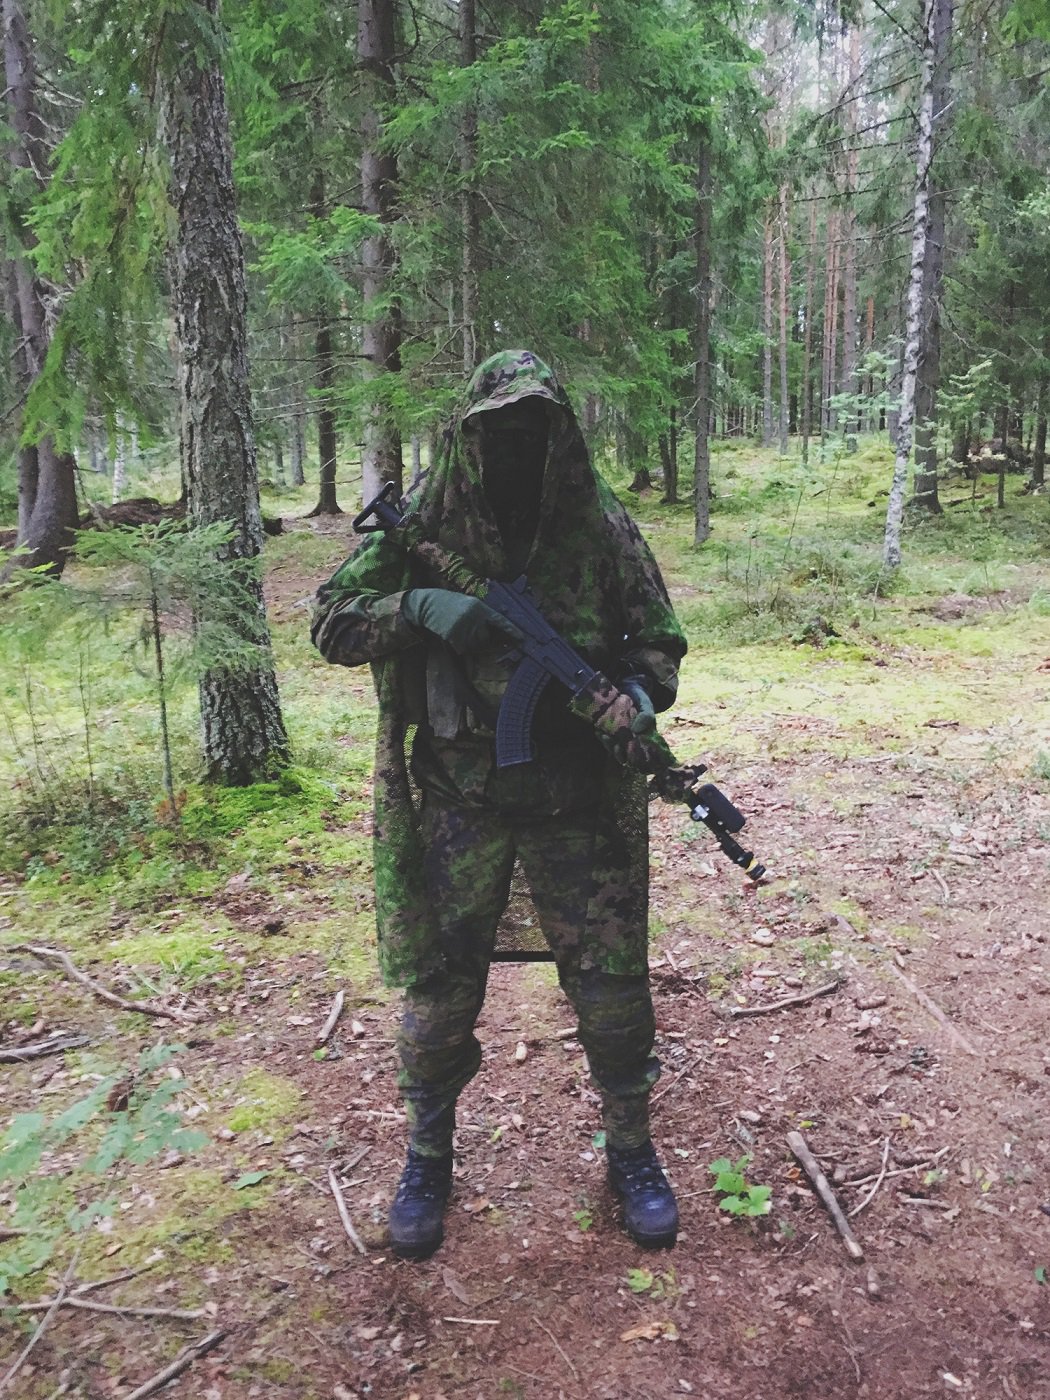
(807, 342)
(291, 344)
(848, 382)
(47, 501)
(831, 293)
(381, 459)
(928, 374)
(785, 296)
(120, 461)
(327, 446)
(670, 455)
(767, 330)
(920, 230)
(243, 731)
(1039, 448)
(324, 384)
(469, 211)
(702, 345)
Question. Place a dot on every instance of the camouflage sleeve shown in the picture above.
(356, 615)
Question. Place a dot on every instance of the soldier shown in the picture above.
(513, 492)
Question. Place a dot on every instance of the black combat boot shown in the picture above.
(418, 1207)
(649, 1209)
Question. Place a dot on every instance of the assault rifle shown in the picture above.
(547, 656)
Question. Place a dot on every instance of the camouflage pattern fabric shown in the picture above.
(596, 581)
(469, 855)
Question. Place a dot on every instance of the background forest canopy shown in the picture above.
(810, 227)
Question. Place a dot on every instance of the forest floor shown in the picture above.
(896, 779)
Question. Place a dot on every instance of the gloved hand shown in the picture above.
(644, 721)
(466, 624)
(613, 715)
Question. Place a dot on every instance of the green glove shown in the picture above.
(644, 721)
(466, 624)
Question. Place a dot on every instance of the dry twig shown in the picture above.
(928, 1003)
(878, 1181)
(45, 1321)
(344, 1215)
(182, 1362)
(681, 1074)
(785, 1002)
(469, 1321)
(561, 1350)
(333, 1017)
(811, 1167)
(53, 1045)
(65, 962)
(75, 1301)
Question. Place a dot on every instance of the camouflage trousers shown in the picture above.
(469, 859)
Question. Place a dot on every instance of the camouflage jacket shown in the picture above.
(597, 583)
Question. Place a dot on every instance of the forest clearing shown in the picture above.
(692, 360)
(892, 764)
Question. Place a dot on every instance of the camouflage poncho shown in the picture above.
(594, 578)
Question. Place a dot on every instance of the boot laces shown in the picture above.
(423, 1179)
(643, 1173)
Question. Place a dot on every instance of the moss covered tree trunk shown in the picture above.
(243, 731)
(47, 501)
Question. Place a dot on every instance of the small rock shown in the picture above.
(521, 1054)
(750, 1115)
(763, 937)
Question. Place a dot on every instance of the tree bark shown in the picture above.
(928, 372)
(916, 283)
(848, 383)
(831, 294)
(785, 296)
(807, 342)
(669, 452)
(767, 330)
(47, 501)
(469, 210)
(243, 731)
(1038, 477)
(702, 345)
(381, 458)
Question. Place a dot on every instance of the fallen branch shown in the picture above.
(74, 1301)
(942, 882)
(811, 1167)
(928, 1003)
(469, 1321)
(900, 1171)
(878, 1181)
(333, 1017)
(801, 1000)
(55, 1045)
(344, 1215)
(182, 1362)
(55, 955)
(561, 1349)
(11, 1232)
(45, 1322)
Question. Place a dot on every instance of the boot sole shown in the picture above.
(416, 1253)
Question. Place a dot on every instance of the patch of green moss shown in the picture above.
(265, 1101)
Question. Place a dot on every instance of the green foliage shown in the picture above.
(738, 1197)
(101, 1141)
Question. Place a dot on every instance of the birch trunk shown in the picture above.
(243, 731)
(920, 230)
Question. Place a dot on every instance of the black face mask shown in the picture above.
(513, 456)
